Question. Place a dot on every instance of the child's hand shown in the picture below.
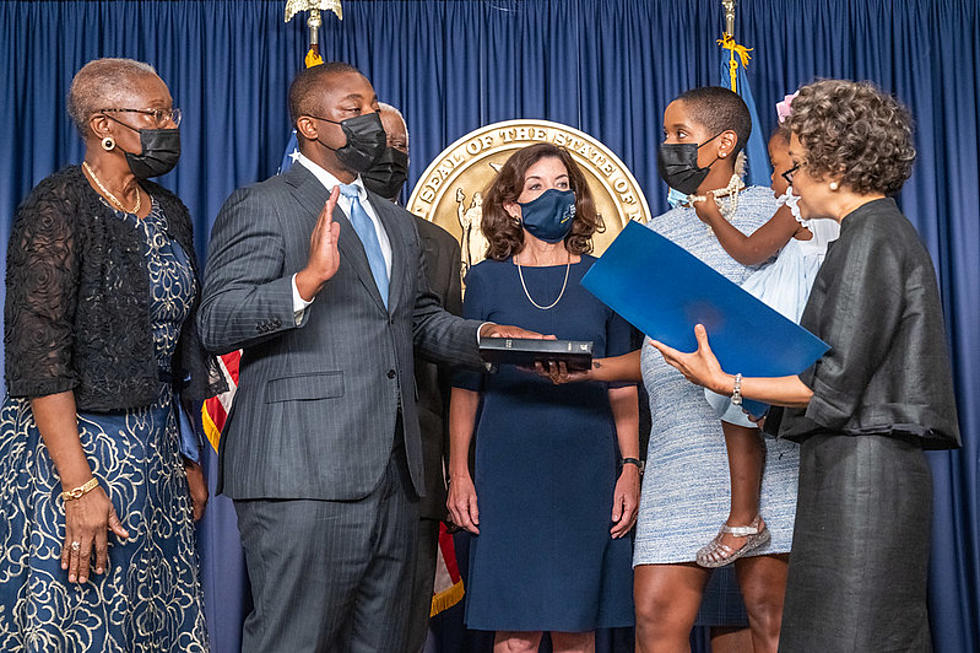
(707, 210)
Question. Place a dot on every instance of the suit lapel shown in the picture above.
(312, 196)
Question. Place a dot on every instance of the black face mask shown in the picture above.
(678, 165)
(160, 151)
(388, 174)
(366, 141)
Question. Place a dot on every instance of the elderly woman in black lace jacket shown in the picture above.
(97, 490)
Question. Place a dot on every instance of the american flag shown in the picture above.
(215, 411)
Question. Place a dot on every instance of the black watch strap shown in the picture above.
(634, 461)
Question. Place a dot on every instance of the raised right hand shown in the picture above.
(88, 521)
(462, 503)
(324, 259)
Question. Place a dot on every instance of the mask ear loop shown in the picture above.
(708, 167)
(116, 145)
(317, 139)
(135, 129)
(712, 138)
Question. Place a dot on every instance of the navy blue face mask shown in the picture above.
(549, 217)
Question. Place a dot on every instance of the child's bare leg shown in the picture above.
(746, 456)
(745, 459)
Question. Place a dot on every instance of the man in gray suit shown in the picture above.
(441, 254)
(321, 284)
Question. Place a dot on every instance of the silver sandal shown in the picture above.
(717, 554)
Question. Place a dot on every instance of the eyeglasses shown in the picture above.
(788, 175)
(160, 116)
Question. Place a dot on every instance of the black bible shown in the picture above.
(576, 354)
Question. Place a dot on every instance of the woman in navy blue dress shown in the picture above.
(557, 475)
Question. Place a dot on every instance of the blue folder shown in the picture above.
(664, 291)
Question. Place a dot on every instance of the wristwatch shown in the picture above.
(640, 465)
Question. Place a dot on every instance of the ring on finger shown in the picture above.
(76, 546)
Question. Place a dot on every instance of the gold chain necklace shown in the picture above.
(520, 273)
(105, 191)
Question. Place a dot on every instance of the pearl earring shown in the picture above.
(834, 185)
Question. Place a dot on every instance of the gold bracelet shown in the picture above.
(80, 491)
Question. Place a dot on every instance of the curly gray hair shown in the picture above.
(854, 130)
(99, 84)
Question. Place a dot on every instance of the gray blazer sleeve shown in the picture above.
(440, 336)
(248, 295)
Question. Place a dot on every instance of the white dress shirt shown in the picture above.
(329, 181)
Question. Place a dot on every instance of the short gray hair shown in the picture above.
(384, 106)
(99, 83)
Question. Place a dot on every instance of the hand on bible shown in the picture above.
(491, 330)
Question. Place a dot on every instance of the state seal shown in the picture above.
(450, 191)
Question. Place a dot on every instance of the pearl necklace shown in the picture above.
(564, 284)
(731, 191)
(110, 196)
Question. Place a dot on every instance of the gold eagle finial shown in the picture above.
(293, 7)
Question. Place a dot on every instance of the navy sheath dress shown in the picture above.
(547, 462)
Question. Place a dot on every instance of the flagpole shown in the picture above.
(729, 7)
(314, 22)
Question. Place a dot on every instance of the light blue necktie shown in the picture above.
(369, 239)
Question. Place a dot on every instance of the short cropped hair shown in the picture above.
(98, 85)
(505, 234)
(384, 106)
(719, 109)
(854, 130)
(303, 101)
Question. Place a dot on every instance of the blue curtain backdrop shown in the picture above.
(607, 67)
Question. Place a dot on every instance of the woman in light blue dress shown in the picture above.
(686, 488)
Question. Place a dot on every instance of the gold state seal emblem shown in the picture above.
(450, 191)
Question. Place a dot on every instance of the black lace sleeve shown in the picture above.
(42, 286)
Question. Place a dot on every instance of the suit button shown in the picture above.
(391, 374)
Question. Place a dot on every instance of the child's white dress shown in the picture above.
(784, 286)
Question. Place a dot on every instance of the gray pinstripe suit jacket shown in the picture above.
(314, 415)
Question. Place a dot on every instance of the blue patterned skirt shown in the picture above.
(150, 597)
